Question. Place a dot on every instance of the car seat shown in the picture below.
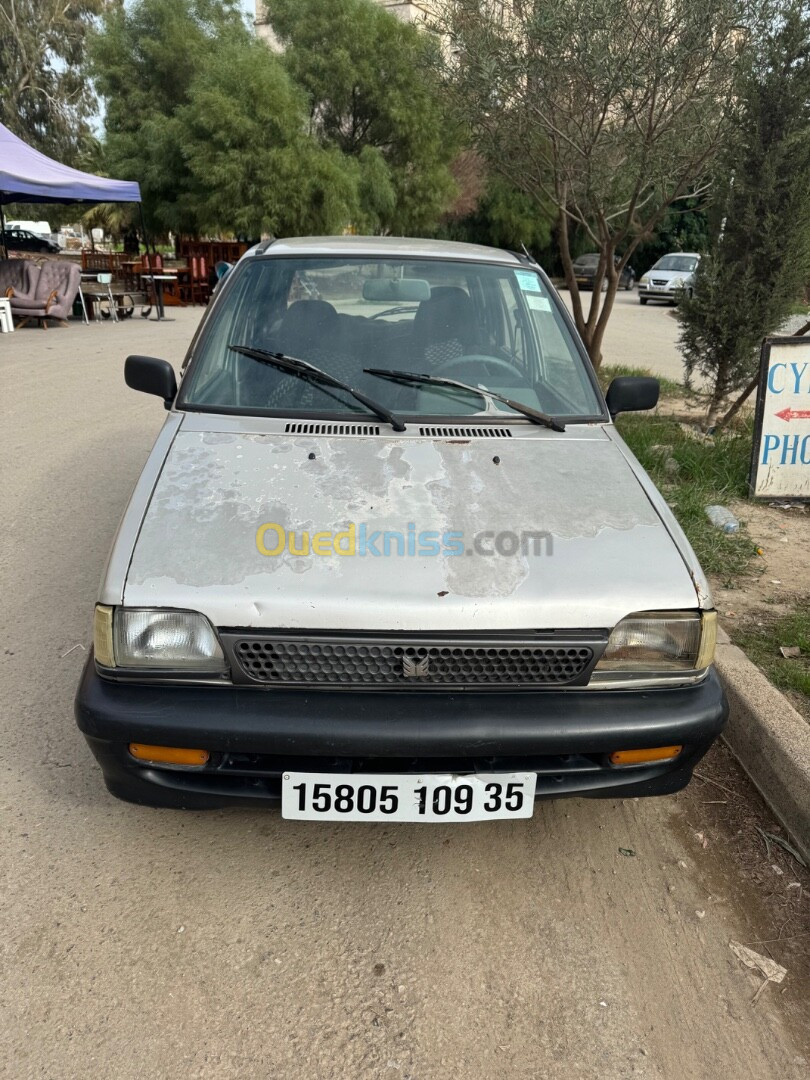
(445, 326)
(309, 330)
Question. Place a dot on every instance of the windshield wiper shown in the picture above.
(304, 370)
(439, 380)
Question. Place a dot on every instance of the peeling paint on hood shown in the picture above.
(611, 552)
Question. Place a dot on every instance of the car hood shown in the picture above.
(606, 550)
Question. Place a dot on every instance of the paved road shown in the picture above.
(157, 944)
(643, 337)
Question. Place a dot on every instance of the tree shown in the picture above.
(44, 95)
(115, 219)
(144, 59)
(759, 260)
(209, 122)
(612, 111)
(505, 217)
(373, 95)
(252, 166)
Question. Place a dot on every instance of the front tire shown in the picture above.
(642, 300)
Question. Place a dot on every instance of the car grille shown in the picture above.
(414, 664)
(659, 281)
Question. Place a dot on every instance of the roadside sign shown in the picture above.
(780, 462)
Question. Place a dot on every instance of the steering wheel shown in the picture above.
(487, 362)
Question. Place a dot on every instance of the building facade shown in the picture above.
(407, 10)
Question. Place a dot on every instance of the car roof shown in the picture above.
(688, 254)
(386, 246)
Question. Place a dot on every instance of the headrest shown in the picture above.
(307, 324)
(448, 314)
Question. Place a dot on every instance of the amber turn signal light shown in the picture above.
(168, 755)
(641, 757)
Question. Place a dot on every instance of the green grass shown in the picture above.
(714, 472)
(607, 372)
(761, 643)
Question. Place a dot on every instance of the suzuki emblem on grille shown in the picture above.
(413, 667)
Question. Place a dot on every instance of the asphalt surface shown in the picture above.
(642, 336)
(143, 943)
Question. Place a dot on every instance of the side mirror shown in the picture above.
(151, 376)
(632, 393)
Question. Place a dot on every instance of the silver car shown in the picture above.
(390, 560)
(670, 278)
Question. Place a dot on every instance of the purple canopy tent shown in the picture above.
(26, 175)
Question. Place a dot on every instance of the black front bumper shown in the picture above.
(254, 734)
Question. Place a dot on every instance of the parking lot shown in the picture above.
(589, 942)
(644, 337)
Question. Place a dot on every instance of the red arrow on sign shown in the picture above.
(794, 414)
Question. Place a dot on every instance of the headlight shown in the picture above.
(661, 641)
(643, 279)
(677, 283)
(156, 639)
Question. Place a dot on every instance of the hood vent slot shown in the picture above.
(466, 432)
(305, 427)
(331, 429)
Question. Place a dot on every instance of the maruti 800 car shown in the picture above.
(390, 560)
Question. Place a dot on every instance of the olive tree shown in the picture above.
(612, 111)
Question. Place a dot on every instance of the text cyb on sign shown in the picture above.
(780, 462)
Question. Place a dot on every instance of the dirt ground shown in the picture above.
(779, 578)
(716, 810)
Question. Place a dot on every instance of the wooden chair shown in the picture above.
(153, 263)
(199, 280)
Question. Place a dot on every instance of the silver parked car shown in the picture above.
(390, 559)
(669, 278)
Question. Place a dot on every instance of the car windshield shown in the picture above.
(489, 324)
(685, 263)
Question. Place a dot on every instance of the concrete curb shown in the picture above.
(770, 739)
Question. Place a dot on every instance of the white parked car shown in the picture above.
(390, 559)
(669, 278)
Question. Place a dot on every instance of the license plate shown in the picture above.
(430, 797)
